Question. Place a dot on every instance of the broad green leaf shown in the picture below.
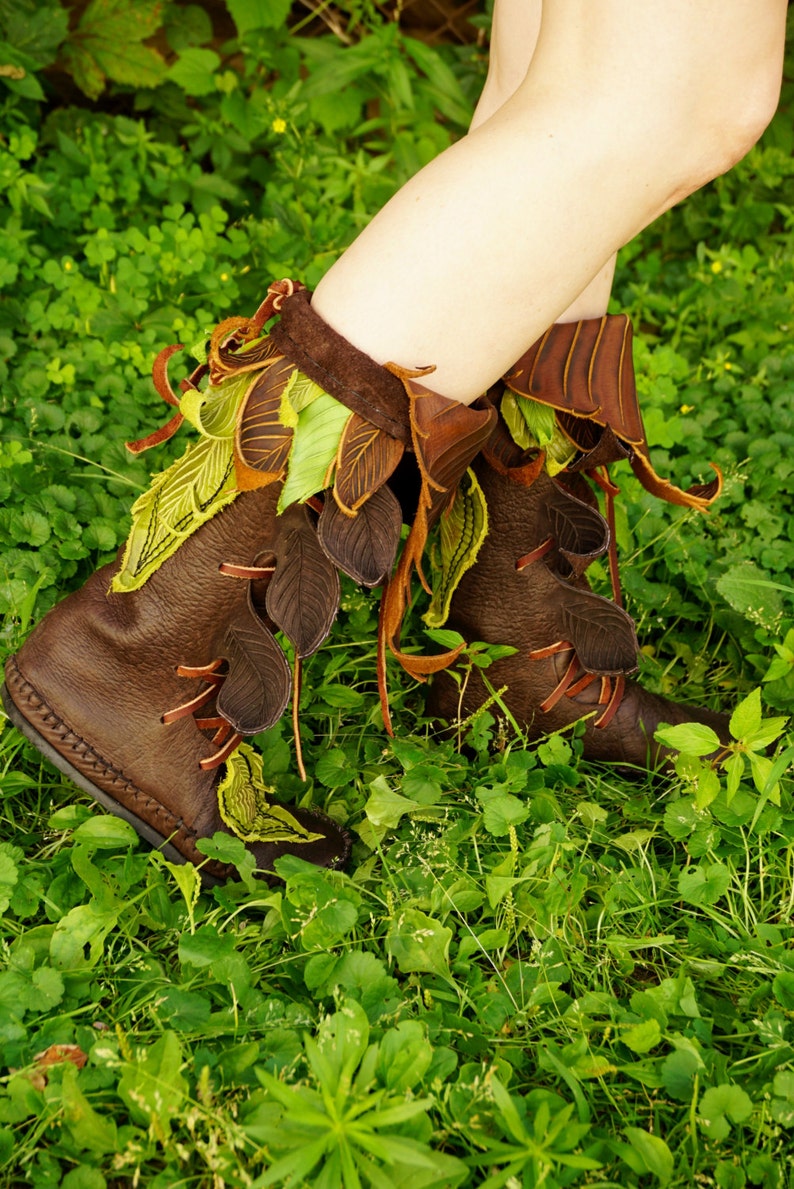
(747, 589)
(9, 877)
(314, 448)
(722, 1105)
(705, 884)
(205, 947)
(83, 927)
(678, 1073)
(650, 1154)
(746, 718)
(180, 500)
(419, 943)
(152, 1085)
(108, 44)
(502, 812)
(194, 70)
(258, 14)
(106, 832)
(464, 527)
(334, 769)
(405, 1055)
(641, 1038)
(385, 807)
(89, 1130)
(691, 738)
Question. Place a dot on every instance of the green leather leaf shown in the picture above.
(244, 806)
(464, 527)
(534, 424)
(317, 436)
(179, 501)
(213, 412)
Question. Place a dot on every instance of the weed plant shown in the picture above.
(536, 971)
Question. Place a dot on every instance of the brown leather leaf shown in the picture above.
(262, 442)
(363, 546)
(508, 459)
(447, 435)
(225, 357)
(699, 496)
(579, 531)
(257, 688)
(602, 633)
(600, 445)
(366, 458)
(303, 595)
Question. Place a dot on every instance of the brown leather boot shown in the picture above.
(141, 686)
(527, 589)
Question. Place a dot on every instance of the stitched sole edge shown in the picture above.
(150, 835)
(147, 832)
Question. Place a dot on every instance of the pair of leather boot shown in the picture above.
(142, 685)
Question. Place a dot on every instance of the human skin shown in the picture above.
(613, 111)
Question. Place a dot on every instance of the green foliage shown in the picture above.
(535, 971)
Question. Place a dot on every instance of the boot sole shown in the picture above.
(141, 827)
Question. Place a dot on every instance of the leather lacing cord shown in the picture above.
(576, 678)
(225, 739)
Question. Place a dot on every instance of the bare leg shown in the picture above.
(626, 109)
(514, 36)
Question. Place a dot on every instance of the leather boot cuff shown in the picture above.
(340, 368)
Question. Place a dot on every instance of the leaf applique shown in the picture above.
(213, 412)
(262, 440)
(256, 690)
(464, 527)
(245, 808)
(316, 441)
(602, 633)
(579, 532)
(446, 435)
(303, 595)
(179, 501)
(363, 546)
(366, 458)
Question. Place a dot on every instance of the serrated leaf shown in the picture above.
(191, 492)
(678, 1073)
(244, 804)
(747, 589)
(464, 527)
(107, 44)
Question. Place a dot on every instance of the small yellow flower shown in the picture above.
(716, 266)
(224, 276)
(687, 408)
(728, 365)
(279, 126)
